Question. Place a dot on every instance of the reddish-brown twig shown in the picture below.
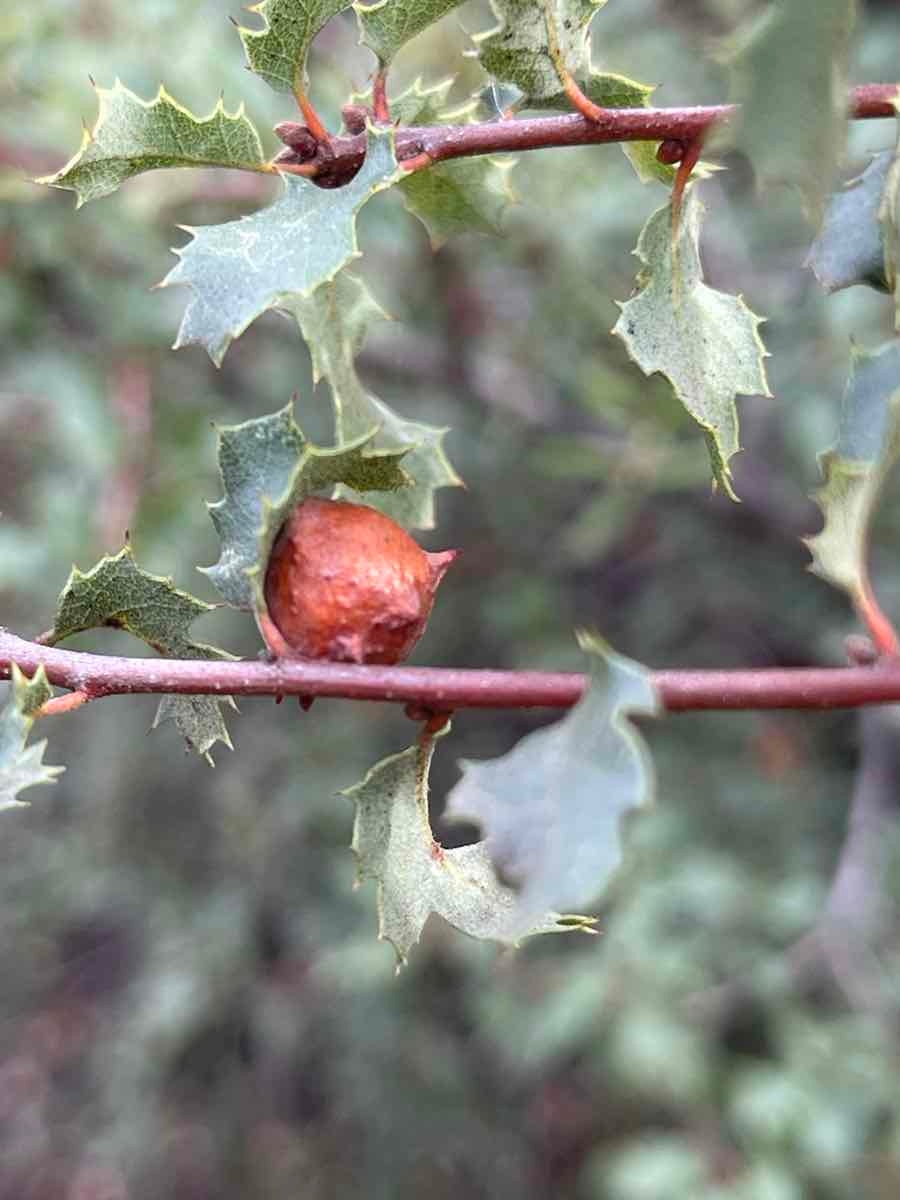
(443, 689)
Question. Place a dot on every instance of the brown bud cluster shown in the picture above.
(346, 583)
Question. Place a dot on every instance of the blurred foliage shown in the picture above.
(194, 1003)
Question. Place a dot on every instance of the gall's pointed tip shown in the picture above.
(440, 563)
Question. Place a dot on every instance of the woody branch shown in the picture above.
(340, 157)
(93, 676)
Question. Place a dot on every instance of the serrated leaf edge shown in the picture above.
(89, 133)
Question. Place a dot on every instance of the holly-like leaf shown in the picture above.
(238, 270)
(706, 343)
(334, 322)
(278, 51)
(268, 467)
(551, 808)
(535, 41)
(850, 245)
(416, 876)
(855, 468)
(790, 78)
(116, 593)
(385, 27)
(609, 90)
(22, 766)
(132, 135)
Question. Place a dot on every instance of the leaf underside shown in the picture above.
(132, 135)
(238, 270)
(116, 593)
(551, 808)
(856, 467)
(889, 222)
(334, 323)
(849, 248)
(22, 766)
(705, 342)
(415, 876)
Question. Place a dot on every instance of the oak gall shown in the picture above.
(346, 583)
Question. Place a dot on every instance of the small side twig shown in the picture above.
(880, 627)
(63, 704)
(380, 107)
(314, 122)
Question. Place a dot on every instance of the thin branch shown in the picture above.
(344, 155)
(63, 704)
(443, 689)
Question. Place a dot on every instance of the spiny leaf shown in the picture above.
(334, 322)
(551, 808)
(790, 78)
(132, 135)
(386, 26)
(116, 593)
(268, 467)
(618, 91)
(278, 52)
(850, 245)
(416, 876)
(533, 40)
(21, 766)
(238, 270)
(855, 468)
(706, 343)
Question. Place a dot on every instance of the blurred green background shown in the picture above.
(193, 1003)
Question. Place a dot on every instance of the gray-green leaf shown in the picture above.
(116, 593)
(133, 135)
(790, 78)
(850, 245)
(889, 218)
(855, 468)
(268, 467)
(534, 40)
(238, 270)
(22, 766)
(385, 27)
(416, 876)
(334, 321)
(551, 808)
(278, 52)
(706, 343)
